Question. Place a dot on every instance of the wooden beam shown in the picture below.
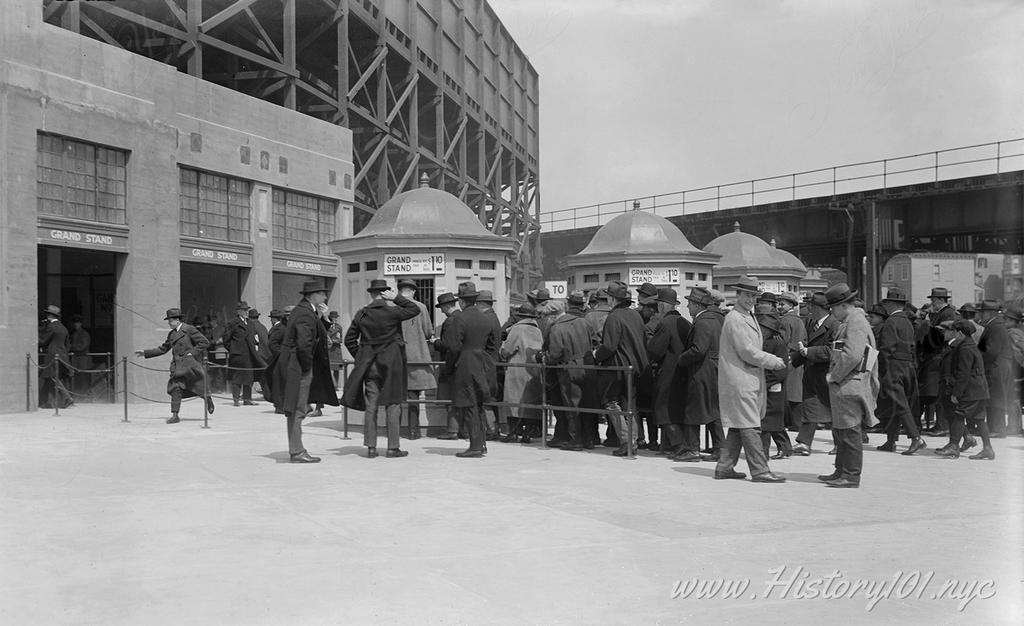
(368, 72)
(232, 10)
(361, 174)
(409, 171)
(264, 36)
(135, 18)
(177, 12)
(96, 28)
(455, 139)
(245, 54)
(401, 99)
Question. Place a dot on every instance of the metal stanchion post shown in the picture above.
(28, 382)
(544, 404)
(206, 391)
(56, 381)
(344, 409)
(630, 415)
(124, 383)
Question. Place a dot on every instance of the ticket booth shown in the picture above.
(744, 254)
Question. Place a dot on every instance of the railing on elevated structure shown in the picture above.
(927, 167)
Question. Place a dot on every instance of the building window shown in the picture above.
(612, 276)
(982, 263)
(1015, 264)
(80, 180)
(488, 265)
(689, 276)
(904, 271)
(353, 268)
(702, 276)
(371, 266)
(889, 273)
(464, 264)
(936, 272)
(591, 278)
(214, 207)
(303, 223)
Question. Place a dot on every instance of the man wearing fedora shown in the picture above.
(53, 342)
(699, 365)
(742, 390)
(243, 354)
(1013, 314)
(896, 373)
(669, 387)
(651, 313)
(569, 341)
(379, 374)
(417, 332)
(187, 347)
(623, 343)
(773, 424)
(448, 303)
(307, 366)
(852, 384)
(473, 350)
(931, 347)
(489, 415)
(997, 354)
(794, 332)
(815, 410)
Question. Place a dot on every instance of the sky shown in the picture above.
(639, 97)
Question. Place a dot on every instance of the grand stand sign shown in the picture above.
(407, 264)
(661, 276)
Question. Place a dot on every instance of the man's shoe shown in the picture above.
(589, 445)
(939, 432)
(986, 454)
(209, 405)
(173, 419)
(825, 478)
(641, 444)
(833, 451)
(484, 449)
(555, 442)
(251, 403)
(948, 453)
(888, 446)
(713, 457)
(395, 453)
(969, 442)
(448, 437)
(620, 451)
(688, 456)
(781, 455)
(571, 446)
(237, 403)
(371, 453)
(843, 483)
(801, 450)
(915, 446)
(730, 474)
(767, 477)
(470, 454)
(304, 457)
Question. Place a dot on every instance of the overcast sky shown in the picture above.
(651, 96)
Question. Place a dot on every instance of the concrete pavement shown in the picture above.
(104, 522)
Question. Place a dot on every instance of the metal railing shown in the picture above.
(926, 167)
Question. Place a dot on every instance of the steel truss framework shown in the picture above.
(426, 86)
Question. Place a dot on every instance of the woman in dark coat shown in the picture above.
(664, 349)
(773, 424)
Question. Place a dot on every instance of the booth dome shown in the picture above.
(639, 232)
(425, 211)
(744, 250)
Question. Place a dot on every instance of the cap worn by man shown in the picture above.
(242, 306)
(879, 310)
(52, 309)
(817, 299)
(939, 292)
(790, 297)
(526, 310)
(173, 314)
(990, 305)
(646, 293)
(254, 314)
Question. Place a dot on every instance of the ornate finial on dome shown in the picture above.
(424, 181)
(772, 242)
(636, 205)
(736, 226)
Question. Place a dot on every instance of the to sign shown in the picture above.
(559, 289)
(413, 264)
(653, 275)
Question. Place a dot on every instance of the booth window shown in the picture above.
(464, 264)
(214, 207)
(612, 276)
(488, 265)
(303, 223)
(591, 278)
(80, 180)
(370, 266)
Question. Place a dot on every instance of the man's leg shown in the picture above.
(295, 446)
(236, 393)
(474, 424)
(371, 389)
(849, 452)
(393, 413)
(412, 408)
(729, 453)
(752, 446)
(175, 405)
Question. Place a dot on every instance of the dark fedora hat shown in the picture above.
(817, 299)
(990, 305)
(485, 295)
(746, 283)
(312, 286)
(542, 295)
(967, 327)
(895, 294)
(333, 315)
(526, 310)
(618, 289)
(173, 314)
(445, 298)
(254, 314)
(276, 314)
(407, 283)
(790, 297)
(52, 309)
(1014, 313)
(769, 321)
(668, 296)
(467, 290)
(646, 293)
(939, 292)
(768, 296)
(701, 296)
(242, 305)
(839, 293)
(879, 310)
(378, 284)
(967, 309)
(576, 297)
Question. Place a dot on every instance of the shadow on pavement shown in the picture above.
(442, 451)
(280, 457)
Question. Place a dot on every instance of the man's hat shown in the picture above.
(407, 283)
(701, 296)
(276, 314)
(668, 296)
(445, 298)
(967, 307)
(767, 296)
(790, 297)
(646, 293)
(879, 310)
(769, 321)
(839, 293)
(242, 305)
(618, 289)
(967, 327)
(541, 294)
(990, 305)
(1014, 313)
(526, 310)
(485, 296)
(939, 292)
(254, 314)
(312, 286)
(717, 296)
(467, 290)
(378, 284)
(746, 283)
(333, 315)
(576, 297)
(817, 299)
(895, 294)
(599, 294)
(173, 314)
(52, 309)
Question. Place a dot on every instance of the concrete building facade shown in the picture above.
(128, 188)
(919, 272)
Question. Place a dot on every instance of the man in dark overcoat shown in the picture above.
(243, 354)
(489, 415)
(306, 364)
(261, 340)
(187, 346)
(597, 313)
(445, 337)
(475, 344)
(663, 350)
(897, 374)
(814, 356)
(623, 343)
(997, 354)
(795, 332)
(930, 348)
(53, 342)
(379, 374)
(275, 376)
(570, 339)
(698, 363)
(651, 313)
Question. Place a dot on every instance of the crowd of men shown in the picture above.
(748, 372)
